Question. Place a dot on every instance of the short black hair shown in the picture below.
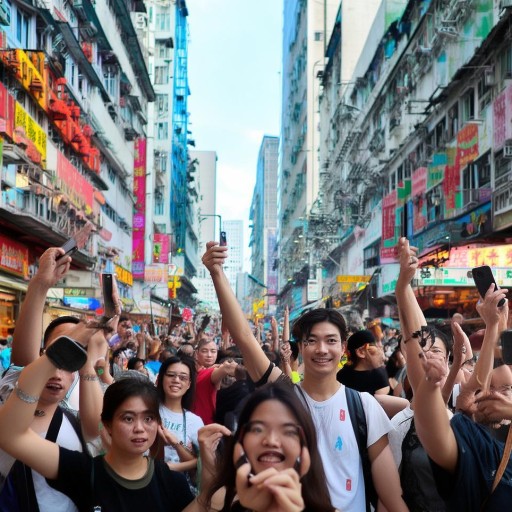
(66, 319)
(302, 327)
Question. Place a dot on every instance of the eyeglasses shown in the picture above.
(181, 376)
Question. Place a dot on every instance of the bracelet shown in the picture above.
(89, 376)
(183, 445)
(25, 397)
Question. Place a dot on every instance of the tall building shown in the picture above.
(73, 136)
(235, 237)
(263, 217)
(205, 164)
(308, 27)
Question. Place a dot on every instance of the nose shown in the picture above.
(271, 438)
(138, 425)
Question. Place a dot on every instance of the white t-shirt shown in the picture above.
(338, 448)
(173, 421)
(401, 423)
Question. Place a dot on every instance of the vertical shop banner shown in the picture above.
(502, 114)
(389, 240)
(419, 188)
(161, 248)
(436, 170)
(29, 134)
(271, 272)
(139, 216)
(13, 257)
(467, 144)
(451, 184)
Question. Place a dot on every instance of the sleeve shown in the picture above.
(74, 477)
(377, 421)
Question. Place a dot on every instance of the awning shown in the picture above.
(299, 311)
(13, 284)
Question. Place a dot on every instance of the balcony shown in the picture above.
(471, 198)
(35, 212)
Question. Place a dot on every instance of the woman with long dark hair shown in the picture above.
(272, 461)
(176, 386)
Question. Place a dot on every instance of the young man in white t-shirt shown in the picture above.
(322, 341)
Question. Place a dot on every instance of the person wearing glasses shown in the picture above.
(321, 335)
(272, 460)
(176, 386)
(365, 370)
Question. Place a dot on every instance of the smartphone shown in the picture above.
(506, 346)
(483, 278)
(223, 239)
(107, 287)
(70, 247)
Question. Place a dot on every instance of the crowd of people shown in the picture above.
(224, 415)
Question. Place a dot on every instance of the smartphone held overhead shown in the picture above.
(483, 278)
(107, 287)
(223, 239)
(78, 240)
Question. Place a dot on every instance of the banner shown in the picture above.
(502, 114)
(13, 257)
(139, 216)
(419, 188)
(467, 144)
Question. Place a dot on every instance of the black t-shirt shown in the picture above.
(159, 490)
(366, 380)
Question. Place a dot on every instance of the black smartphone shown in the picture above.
(506, 346)
(70, 247)
(107, 287)
(223, 239)
(483, 278)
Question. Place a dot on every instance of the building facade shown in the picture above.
(419, 145)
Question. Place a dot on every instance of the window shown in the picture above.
(505, 60)
(161, 75)
(111, 81)
(163, 21)
(434, 204)
(453, 121)
(485, 88)
(23, 28)
(371, 256)
(111, 175)
(162, 130)
(467, 104)
(162, 104)
(163, 48)
(319, 36)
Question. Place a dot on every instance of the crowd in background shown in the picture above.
(219, 413)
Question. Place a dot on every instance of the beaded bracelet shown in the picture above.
(25, 397)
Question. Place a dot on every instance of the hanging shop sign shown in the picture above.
(74, 185)
(13, 257)
(123, 276)
(389, 238)
(139, 216)
(161, 247)
(502, 113)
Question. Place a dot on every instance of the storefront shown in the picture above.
(14, 264)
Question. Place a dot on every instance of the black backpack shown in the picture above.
(358, 420)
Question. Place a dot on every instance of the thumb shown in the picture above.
(211, 244)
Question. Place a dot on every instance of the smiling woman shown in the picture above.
(272, 461)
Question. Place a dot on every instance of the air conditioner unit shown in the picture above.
(507, 150)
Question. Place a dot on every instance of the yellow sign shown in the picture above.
(494, 256)
(123, 275)
(353, 279)
(257, 305)
(31, 77)
(32, 130)
(174, 282)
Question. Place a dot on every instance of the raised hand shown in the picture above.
(53, 266)
(488, 308)
(214, 257)
(462, 351)
(408, 259)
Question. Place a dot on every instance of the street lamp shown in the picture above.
(204, 215)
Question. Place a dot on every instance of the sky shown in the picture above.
(234, 66)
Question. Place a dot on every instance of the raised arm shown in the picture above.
(233, 317)
(16, 416)
(409, 311)
(430, 417)
(29, 325)
(275, 334)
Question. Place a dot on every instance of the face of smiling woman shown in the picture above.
(272, 437)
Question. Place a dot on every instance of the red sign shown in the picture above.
(419, 187)
(76, 186)
(467, 144)
(13, 257)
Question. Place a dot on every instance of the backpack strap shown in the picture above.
(358, 420)
(77, 427)
(21, 474)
